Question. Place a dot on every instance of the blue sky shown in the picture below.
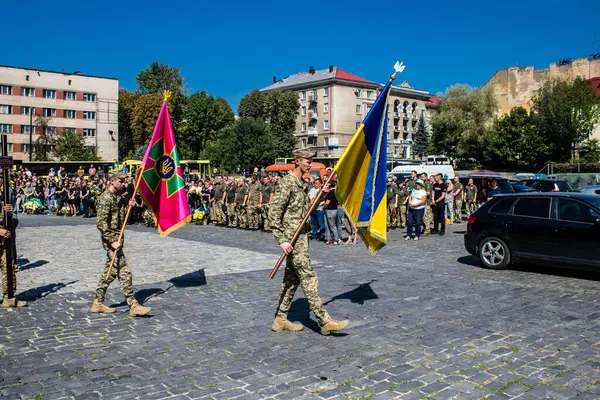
(231, 47)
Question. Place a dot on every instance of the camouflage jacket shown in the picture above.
(289, 206)
(111, 210)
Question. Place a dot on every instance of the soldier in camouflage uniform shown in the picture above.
(220, 193)
(458, 199)
(428, 214)
(240, 203)
(254, 199)
(111, 210)
(402, 201)
(4, 235)
(471, 197)
(230, 203)
(267, 194)
(290, 205)
(392, 203)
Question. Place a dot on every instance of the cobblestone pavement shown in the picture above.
(426, 322)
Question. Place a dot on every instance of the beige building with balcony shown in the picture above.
(85, 104)
(334, 102)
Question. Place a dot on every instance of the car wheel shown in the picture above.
(494, 253)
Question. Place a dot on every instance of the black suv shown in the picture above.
(547, 185)
(550, 228)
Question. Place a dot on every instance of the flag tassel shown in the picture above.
(313, 205)
(135, 190)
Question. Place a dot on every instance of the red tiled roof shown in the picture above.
(347, 76)
(433, 101)
(596, 83)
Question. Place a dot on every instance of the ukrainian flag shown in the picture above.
(361, 175)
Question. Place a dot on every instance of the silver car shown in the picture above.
(591, 189)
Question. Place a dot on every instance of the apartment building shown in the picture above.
(333, 103)
(82, 103)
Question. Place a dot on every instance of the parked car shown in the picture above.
(555, 229)
(547, 185)
(503, 183)
(520, 188)
(591, 189)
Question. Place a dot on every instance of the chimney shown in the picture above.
(311, 70)
(330, 68)
(274, 79)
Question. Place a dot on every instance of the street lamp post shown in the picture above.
(30, 131)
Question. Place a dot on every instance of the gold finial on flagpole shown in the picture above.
(167, 95)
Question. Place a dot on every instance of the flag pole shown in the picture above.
(129, 207)
(312, 208)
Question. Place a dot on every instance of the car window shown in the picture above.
(564, 186)
(572, 210)
(502, 206)
(505, 186)
(533, 207)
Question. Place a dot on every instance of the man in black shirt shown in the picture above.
(439, 194)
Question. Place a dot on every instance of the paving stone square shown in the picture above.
(427, 322)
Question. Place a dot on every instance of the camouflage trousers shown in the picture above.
(241, 216)
(392, 216)
(252, 212)
(471, 207)
(221, 217)
(120, 269)
(264, 216)
(458, 205)
(402, 216)
(427, 220)
(299, 271)
(5, 275)
(231, 216)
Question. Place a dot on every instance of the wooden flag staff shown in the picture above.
(312, 208)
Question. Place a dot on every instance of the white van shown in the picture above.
(428, 169)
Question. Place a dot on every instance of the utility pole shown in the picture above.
(8, 243)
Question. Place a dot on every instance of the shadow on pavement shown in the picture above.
(191, 279)
(538, 269)
(24, 264)
(144, 295)
(300, 311)
(358, 295)
(34, 294)
(460, 232)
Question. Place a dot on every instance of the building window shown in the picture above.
(5, 128)
(358, 108)
(26, 110)
(358, 125)
(25, 148)
(25, 129)
(89, 115)
(10, 147)
(5, 89)
(303, 95)
(69, 95)
(69, 130)
(326, 124)
(69, 113)
(303, 110)
(89, 97)
(87, 132)
(369, 94)
(49, 112)
(325, 108)
(303, 129)
(303, 143)
(326, 92)
(50, 130)
(357, 92)
(27, 92)
(5, 109)
(315, 93)
(369, 107)
(49, 94)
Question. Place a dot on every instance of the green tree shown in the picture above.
(158, 78)
(127, 103)
(462, 123)
(566, 113)
(223, 150)
(70, 146)
(144, 116)
(421, 138)
(252, 105)
(281, 111)
(590, 151)
(255, 143)
(44, 144)
(203, 116)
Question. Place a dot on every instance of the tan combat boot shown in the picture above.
(283, 324)
(99, 307)
(333, 326)
(13, 302)
(137, 310)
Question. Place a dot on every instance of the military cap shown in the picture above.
(304, 153)
(117, 174)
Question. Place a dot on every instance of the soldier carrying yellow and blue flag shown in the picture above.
(361, 174)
